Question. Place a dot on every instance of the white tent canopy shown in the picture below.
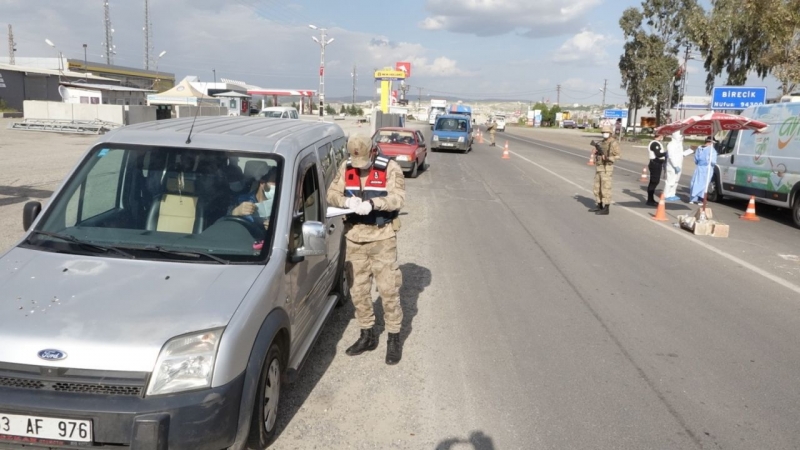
(182, 94)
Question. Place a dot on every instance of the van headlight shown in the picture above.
(185, 363)
(461, 139)
(402, 158)
(435, 137)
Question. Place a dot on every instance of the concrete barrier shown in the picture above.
(137, 114)
(34, 109)
(190, 111)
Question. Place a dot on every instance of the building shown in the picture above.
(19, 83)
(105, 94)
(127, 76)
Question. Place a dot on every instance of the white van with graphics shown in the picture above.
(762, 164)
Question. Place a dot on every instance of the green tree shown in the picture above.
(654, 35)
(352, 110)
(329, 109)
(551, 114)
(360, 112)
(294, 105)
(343, 110)
(740, 37)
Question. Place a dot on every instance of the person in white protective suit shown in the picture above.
(674, 164)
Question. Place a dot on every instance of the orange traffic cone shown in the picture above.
(643, 178)
(480, 137)
(661, 212)
(505, 151)
(591, 160)
(750, 214)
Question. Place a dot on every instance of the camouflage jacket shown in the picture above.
(394, 201)
(610, 147)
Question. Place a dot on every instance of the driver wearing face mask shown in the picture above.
(256, 205)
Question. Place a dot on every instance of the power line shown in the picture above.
(558, 95)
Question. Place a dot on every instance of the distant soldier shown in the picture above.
(607, 152)
(373, 186)
(492, 129)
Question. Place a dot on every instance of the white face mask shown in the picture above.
(606, 135)
(269, 191)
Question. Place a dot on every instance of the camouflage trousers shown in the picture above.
(375, 260)
(602, 183)
(491, 137)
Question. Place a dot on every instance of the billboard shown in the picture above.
(738, 97)
(389, 75)
(404, 67)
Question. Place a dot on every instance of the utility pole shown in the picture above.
(419, 98)
(355, 81)
(109, 32)
(558, 95)
(605, 86)
(12, 46)
(683, 80)
(148, 36)
(323, 42)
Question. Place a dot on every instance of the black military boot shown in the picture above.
(366, 342)
(394, 351)
(603, 212)
(597, 208)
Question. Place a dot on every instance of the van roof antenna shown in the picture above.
(199, 105)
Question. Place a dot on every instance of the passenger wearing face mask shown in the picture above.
(604, 169)
(256, 205)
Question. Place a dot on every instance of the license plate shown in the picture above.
(44, 430)
(446, 144)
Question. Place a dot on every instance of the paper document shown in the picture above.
(688, 152)
(334, 211)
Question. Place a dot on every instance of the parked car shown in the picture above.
(279, 112)
(404, 145)
(569, 124)
(153, 318)
(340, 116)
(581, 125)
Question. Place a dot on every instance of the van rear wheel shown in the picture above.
(796, 210)
(265, 411)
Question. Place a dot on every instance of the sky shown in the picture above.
(517, 50)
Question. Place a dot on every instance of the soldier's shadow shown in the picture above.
(585, 201)
(415, 279)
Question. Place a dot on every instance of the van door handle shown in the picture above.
(732, 158)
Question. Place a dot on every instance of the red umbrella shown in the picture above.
(711, 124)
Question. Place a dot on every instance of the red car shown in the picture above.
(404, 145)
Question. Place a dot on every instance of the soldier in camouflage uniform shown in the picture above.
(374, 187)
(492, 129)
(604, 168)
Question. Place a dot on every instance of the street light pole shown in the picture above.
(158, 79)
(85, 63)
(323, 42)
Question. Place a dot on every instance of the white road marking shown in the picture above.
(755, 269)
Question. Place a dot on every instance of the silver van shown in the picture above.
(145, 308)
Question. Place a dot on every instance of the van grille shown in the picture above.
(129, 384)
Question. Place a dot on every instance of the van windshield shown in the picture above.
(277, 114)
(451, 125)
(165, 203)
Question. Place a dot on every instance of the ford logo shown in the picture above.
(52, 355)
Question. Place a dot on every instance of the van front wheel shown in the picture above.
(265, 412)
(796, 210)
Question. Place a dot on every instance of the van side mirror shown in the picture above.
(30, 212)
(313, 241)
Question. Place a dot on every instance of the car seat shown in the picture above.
(178, 209)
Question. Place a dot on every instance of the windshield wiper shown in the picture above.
(188, 253)
(82, 243)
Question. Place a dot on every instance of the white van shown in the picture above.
(765, 164)
(279, 112)
(501, 122)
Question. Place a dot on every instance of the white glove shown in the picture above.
(352, 202)
(364, 208)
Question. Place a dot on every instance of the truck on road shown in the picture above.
(438, 107)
